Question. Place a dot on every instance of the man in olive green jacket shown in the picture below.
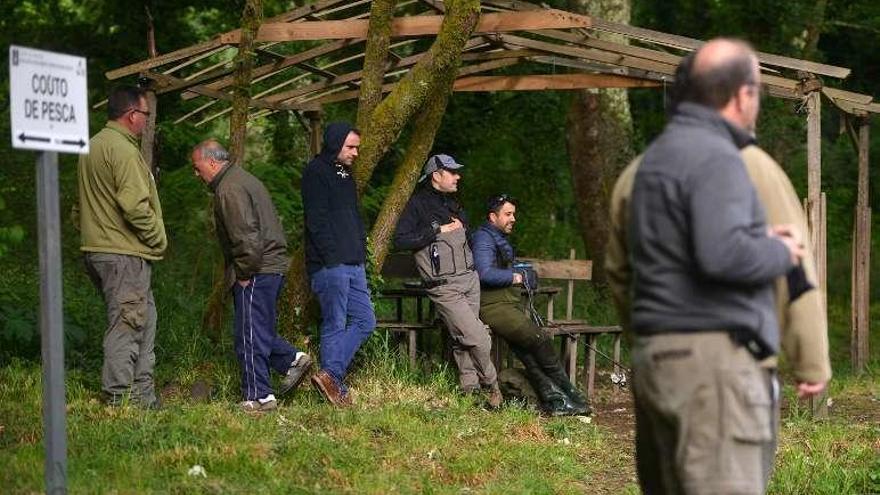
(122, 234)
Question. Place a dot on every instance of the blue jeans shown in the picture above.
(347, 317)
(258, 346)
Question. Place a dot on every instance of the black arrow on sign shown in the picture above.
(79, 143)
(25, 137)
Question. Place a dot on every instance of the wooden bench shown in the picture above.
(401, 266)
(570, 329)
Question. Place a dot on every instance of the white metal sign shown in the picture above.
(48, 101)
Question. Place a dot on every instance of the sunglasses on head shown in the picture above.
(495, 202)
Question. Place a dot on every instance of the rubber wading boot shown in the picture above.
(554, 401)
(546, 356)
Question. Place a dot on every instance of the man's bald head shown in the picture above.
(718, 70)
(723, 75)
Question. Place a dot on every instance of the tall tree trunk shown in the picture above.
(599, 140)
(251, 18)
(397, 109)
(425, 129)
(375, 55)
(383, 125)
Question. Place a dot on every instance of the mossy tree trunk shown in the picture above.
(425, 128)
(599, 141)
(421, 94)
(375, 56)
(251, 18)
(409, 96)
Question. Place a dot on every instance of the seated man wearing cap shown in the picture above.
(434, 227)
(501, 309)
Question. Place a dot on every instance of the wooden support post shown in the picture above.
(148, 137)
(861, 266)
(316, 130)
(616, 356)
(816, 214)
(814, 183)
(589, 373)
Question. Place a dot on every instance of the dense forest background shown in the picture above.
(510, 142)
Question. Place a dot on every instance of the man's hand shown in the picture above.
(807, 389)
(453, 225)
(517, 278)
(791, 237)
(244, 283)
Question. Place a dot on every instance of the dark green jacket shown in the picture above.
(118, 206)
(248, 227)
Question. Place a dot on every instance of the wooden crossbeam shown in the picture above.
(402, 63)
(219, 95)
(281, 64)
(189, 51)
(422, 25)
(550, 82)
(682, 42)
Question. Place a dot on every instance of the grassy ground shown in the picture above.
(408, 433)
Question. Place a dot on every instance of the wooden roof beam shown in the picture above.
(682, 42)
(546, 82)
(152, 63)
(422, 25)
(280, 65)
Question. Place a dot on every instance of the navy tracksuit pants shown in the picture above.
(258, 346)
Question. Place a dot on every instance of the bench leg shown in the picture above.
(590, 367)
(571, 358)
(616, 356)
(412, 335)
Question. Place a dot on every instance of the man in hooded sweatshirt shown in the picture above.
(335, 256)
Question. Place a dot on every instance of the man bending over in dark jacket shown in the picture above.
(255, 251)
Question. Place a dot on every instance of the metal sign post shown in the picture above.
(49, 113)
(51, 323)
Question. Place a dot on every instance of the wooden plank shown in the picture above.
(422, 25)
(401, 63)
(543, 82)
(683, 42)
(847, 95)
(199, 48)
(219, 95)
(468, 69)
(280, 64)
(590, 367)
(814, 167)
(563, 269)
(861, 265)
(590, 54)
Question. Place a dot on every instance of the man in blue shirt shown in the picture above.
(500, 308)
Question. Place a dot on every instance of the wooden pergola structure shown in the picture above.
(555, 50)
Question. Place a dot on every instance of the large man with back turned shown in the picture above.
(702, 311)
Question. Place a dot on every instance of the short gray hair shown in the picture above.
(210, 148)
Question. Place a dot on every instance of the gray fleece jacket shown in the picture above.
(701, 256)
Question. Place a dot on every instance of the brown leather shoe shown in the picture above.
(329, 389)
(494, 397)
